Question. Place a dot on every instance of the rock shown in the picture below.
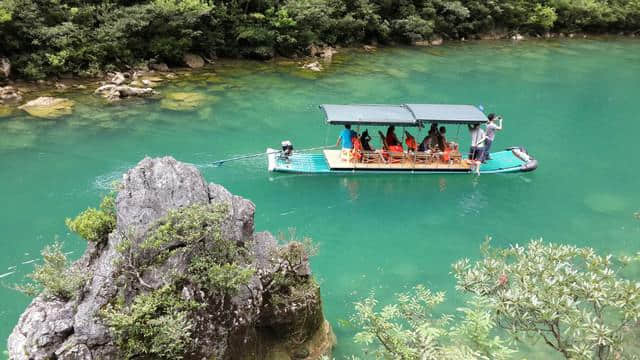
(422, 43)
(313, 66)
(325, 52)
(171, 76)
(182, 101)
(115, 92)
(193, 61)
(80, 87)
(159, 67)
(370, 48)
(10, 95)
(517, 37)
(436, 41)
(60, 86)
(5, 68)
(572, 35)
(48, 107)
(253, 327)
(117, 79)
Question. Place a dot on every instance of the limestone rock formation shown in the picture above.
(262, 320)
(48, 107)
(193, 61)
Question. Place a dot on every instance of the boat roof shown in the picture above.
(402, 115)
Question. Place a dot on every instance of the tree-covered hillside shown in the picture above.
(85, 37)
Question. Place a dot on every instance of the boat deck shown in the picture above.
(336, 163)
(329, 162)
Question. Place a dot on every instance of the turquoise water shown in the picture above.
(573, 104)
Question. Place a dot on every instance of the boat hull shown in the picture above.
(514, 159)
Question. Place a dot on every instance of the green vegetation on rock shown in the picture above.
(87, 38)
(155, 324)
(95, 224)
(54, 278)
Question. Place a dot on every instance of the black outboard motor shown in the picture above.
(287, 149)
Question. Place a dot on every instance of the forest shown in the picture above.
(43, 38)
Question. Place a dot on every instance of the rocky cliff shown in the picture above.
(176, 237)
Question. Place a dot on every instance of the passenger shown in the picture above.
(442, 139)
(347, 145)
(491, 133)
(443, 145)
(476, 153)
(364, 140)
(392, 139)
(410, 141)
(430, 141)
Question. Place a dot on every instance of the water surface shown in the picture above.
(573, 104)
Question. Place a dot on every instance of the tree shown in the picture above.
(578, 302)
(408, 330)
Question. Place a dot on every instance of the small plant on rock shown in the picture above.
(95, 224)
(54, 278)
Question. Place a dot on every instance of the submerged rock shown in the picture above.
(48, 107)
(181, 101)
(265, 318)
(313, 66)
(193, 61)
(5, 110)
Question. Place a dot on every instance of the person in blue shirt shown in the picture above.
(345, 138)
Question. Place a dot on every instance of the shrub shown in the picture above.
(95, 224)
(225, 278)
(54, 278)
(155, 325)
(573, 299)
(408, 330)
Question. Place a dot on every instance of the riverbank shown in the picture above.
(146, 80)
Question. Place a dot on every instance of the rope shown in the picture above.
(220, 162)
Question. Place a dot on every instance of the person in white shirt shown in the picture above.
(492, 127)
(476, 152)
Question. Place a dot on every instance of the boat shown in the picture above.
(412, 116)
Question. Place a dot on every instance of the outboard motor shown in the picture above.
(287, 149)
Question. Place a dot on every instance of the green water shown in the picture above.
(573, 104)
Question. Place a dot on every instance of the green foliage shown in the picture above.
(95, 224)
(408, 330)
(45, 38)
(573, 299)
(543, 17)
(225, 278)
(156, 325)
(190, 225)
(55, 277)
